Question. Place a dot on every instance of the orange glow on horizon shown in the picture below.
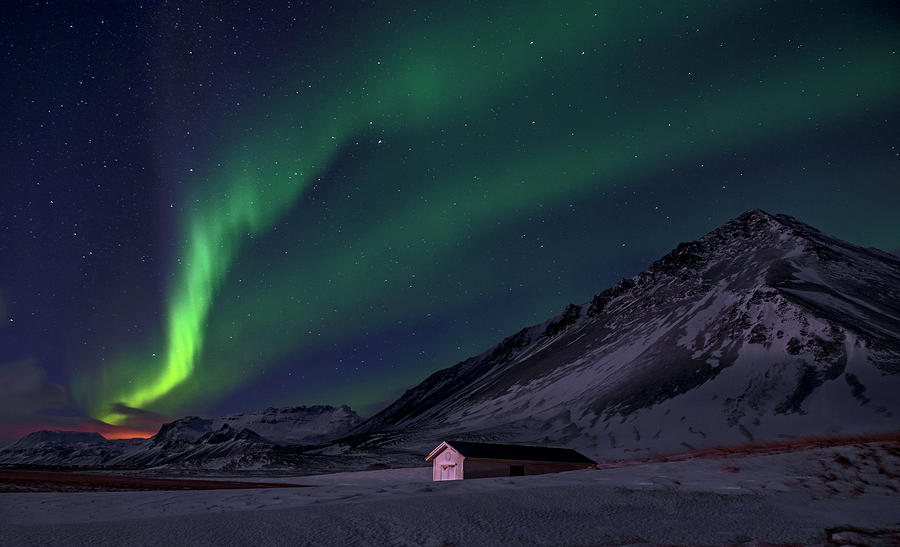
(125, 433)
(111, 432)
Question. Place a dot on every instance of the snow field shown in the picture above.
(777, 497)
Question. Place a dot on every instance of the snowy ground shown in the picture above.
(811, 496)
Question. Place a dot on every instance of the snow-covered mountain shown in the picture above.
(40, 438)
(65, 448)
(764, 327)
(297, 425)
(246, 440)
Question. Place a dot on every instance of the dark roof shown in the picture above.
(518, 452)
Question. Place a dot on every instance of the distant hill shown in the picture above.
(256, 439)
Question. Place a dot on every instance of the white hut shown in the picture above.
(457, 460)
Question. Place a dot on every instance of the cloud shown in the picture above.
(140, 419)
(29, 401)
(25, 391)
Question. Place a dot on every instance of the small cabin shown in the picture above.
(457, 460)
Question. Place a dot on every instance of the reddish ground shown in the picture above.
(54, 481)
(773, 447)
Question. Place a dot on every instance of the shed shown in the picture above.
(457, 460)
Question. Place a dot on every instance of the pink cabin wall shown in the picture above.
(447, 466)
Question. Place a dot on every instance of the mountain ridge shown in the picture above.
(227, 442)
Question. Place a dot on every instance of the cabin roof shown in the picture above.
(490, 451)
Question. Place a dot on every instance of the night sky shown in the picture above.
(211, 208)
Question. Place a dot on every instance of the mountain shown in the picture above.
(265, 438)
(297, 425)
(39, 438)
(62, 448)
(240, 441)
(763, 328)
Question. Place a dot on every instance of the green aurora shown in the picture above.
(340, 206)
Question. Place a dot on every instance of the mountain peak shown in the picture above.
(187, 429)
(755, 213)
(753, 223)
(756, 222)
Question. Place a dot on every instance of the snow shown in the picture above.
(298, 425)
(790, 497)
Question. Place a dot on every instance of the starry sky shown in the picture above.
(214, 207)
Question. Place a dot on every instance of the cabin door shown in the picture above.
(448, 471)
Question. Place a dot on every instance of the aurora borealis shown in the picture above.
(210, 210)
